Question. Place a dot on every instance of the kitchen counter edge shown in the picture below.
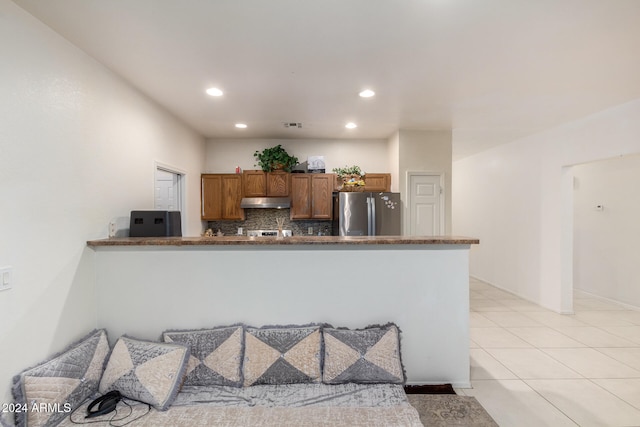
(294, 240)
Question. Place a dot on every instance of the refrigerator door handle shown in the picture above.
(372, 215)
(368, 217)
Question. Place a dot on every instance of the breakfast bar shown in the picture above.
(145, 285)
(285, 241)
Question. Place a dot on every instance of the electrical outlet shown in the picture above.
(112, 229)
(310, 231)
(5, 278)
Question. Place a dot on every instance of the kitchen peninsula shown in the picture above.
(146, 285)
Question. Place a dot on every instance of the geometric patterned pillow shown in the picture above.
(62, 383)
(282, 355)
(216, 355)
(370, 355)
(146, 371)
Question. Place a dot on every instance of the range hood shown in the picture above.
(265, 202)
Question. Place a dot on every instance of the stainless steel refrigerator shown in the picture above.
(366, 214)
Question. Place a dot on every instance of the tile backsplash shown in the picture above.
(265, 219)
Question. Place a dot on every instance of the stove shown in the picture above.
(267, 233)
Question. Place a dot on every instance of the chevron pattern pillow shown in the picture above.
(216, 355)
(282, 355)
(370, 355)
(62, 383)
(149, 372)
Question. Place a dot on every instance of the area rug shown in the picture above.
(439, 406)
(450, 410)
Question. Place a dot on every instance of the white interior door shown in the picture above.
(167, 190)
(426, 216)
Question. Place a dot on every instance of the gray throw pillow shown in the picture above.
(282, 355)
(216, 355)
(56, 387)
(149, 372)
(370, 355)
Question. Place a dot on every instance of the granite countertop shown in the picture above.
(294, 240)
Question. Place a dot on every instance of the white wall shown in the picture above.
(517, 199)
(428, 151)
(393, 153)
(422, 288)
(77, 148)
(606, 250)
(223, 155)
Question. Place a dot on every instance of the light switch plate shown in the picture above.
(5, 278)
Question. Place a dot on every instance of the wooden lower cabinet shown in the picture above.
(311, 196)
(221, 197)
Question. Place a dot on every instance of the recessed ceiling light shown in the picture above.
(351, 125)
(214, 91)
(241, 125)
(367, 93)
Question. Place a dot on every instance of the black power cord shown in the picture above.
(105, 404)
(114, 418)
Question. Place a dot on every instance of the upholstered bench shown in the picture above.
(300, 375)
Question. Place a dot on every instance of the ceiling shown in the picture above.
(490, 70)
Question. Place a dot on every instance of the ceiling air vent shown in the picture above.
(296, 125)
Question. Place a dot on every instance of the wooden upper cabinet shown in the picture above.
(377, 182)
(255, 183)
(321, 195)
(221, 196)
(300, 196)
(311, 196)
(232, 196)
(271, 184)
(211, 197)
(278, 184)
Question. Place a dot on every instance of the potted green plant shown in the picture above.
(351, 178)
(275, 158)
(348, 171)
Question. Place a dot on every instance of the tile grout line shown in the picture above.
(489, 301)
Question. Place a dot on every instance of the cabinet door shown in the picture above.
(255, 183)
(321, 196)
(377, 182)
(232, 196)
(221, 196)
(211, 193)
(300, 196)
(278, 184)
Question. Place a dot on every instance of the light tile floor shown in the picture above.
(533, 367)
